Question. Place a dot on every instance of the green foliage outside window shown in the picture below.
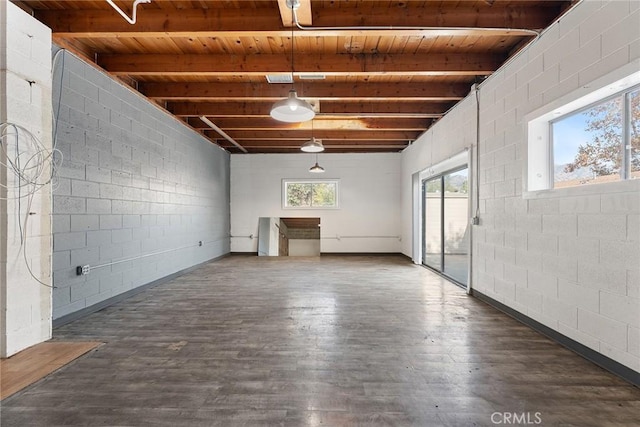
(319, 194)
(299, 194)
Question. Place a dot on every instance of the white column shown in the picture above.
(25, 222)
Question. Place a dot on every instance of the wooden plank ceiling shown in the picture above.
(374, 89)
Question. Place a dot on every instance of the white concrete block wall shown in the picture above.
(576, 267)
(134, 181)
(369, 198)
(25, 101)
(453, 134)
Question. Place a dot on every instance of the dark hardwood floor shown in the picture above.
(332, 341)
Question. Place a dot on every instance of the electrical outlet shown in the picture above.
(82, 270)
(475, 220)
(200, 243)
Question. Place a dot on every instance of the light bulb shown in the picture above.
(292, 101)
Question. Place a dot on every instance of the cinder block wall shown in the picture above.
(304, 233)
(134, 181)
(570, 262)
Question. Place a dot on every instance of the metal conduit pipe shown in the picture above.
(223, 133)
(294, 4)
(133, 19)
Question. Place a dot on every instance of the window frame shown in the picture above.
(537, 179)
(625, 147)
(311, 181)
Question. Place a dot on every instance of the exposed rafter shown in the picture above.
(337, 91)
(328, 109)
(248, 22)
(333, 65)
(336, 134)
(378, 72)
(346, 124)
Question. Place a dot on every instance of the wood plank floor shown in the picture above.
(35, 363)
(332, 341)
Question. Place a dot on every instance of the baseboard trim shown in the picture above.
(76, 315)
(599, 359)
(341, 253)
(361, 253)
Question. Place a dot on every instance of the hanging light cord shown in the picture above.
(293, 19)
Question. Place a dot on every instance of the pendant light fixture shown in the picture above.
(292, 109)
(314, 145)
(316, 168)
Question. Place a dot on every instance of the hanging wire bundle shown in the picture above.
(33, 167)
(33, 164)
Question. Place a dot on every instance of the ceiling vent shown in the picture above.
(312, 77)
(279, 78)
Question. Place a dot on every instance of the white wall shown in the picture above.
(369, 199)
(569, 260)
(25, 100)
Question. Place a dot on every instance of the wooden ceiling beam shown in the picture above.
(354, 123)
(329, 134)
(412, 108)
(332, 150)
(432, 64)
(328, 109)
(200, 91)
(532, 16)
(327, 150)
(266, 22)
(325, 142)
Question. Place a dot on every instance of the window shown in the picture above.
(599, 143)
(310, 194)
(588, 136)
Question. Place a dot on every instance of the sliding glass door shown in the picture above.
(432, 224)
(445, 245)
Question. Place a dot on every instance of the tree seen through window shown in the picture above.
(320, 194)
(600, 143)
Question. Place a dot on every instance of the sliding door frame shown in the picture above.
(440, 176)
(466, 157)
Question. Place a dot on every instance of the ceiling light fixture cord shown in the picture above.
(292, 63)
(292, 109)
